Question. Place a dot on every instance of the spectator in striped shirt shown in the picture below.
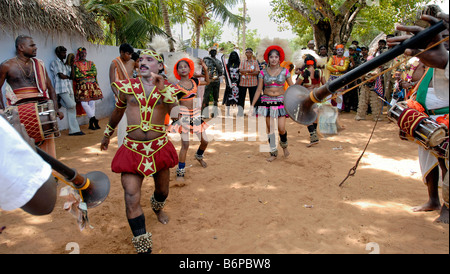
(249, 70)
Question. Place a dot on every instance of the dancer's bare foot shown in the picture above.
(443, 218)
(162, 217)
(429, 206)
(203, 163)
(271, 158)
(286, 152)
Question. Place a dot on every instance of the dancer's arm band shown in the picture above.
(109, 131)
(120, 104)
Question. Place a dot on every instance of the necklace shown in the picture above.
(270, 71)
(183, 87)
(23, 70)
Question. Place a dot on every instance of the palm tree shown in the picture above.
(130, 21)
(144, 23)
(165, 14)
(172, 12)
(199, 12)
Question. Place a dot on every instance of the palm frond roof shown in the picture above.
(51, 16)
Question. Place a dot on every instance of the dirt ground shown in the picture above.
(241, 204)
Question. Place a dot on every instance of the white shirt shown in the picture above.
(61, 85)
(22, 170)
(440, 82)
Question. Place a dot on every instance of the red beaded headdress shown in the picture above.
(277, 48)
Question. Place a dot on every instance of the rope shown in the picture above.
(352, 171)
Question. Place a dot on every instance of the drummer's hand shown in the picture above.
(436, 57)
(60, 115)
(104, 144)
(445, 19)
(406, 85)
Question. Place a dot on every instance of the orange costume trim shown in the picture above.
(191, 120)
(338, 65)
(190, 94)
(415, 105)
(443, 120)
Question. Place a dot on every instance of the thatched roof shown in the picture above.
(50, 16)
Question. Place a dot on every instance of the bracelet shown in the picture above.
(109, 131)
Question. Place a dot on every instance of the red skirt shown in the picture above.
(145, 158)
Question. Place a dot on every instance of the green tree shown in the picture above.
(211, 33)
(332, 21)
(252, 40)
(199, 12)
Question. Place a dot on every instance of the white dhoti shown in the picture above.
(427, 160)
(427, 163)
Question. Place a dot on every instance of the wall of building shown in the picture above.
(100, 55)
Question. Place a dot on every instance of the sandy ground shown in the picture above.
(241, 204)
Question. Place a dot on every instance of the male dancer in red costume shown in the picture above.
(146, 150)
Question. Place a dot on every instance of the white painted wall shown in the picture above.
(100, 55)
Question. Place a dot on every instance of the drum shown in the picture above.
(418, 125)
(39, 119)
